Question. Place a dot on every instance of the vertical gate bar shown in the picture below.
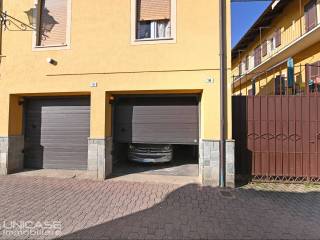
(301, 92)
(268, 130)
(260, 120)
(281, 122)
(275, 134)
(316, 140)
(288, 132)
(294, 82)
(298, 98)
(302, 137)
(266, 86)
(254, 141)
(309, 155)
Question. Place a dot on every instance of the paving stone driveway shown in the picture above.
(120, 210)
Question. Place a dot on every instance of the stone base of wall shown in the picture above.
(209, 152)
(100, 157)
(11, 154)
(4, 153)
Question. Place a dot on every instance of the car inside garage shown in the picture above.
(56, 133)
(156, 134)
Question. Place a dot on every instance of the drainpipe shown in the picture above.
(223, 93)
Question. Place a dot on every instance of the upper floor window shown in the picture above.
(153, 19)
(264, 48)
(310, 15)
(277, 38)
(272, 44)
(240, 69)
(247, 63)
(257, 56)
(52, 27)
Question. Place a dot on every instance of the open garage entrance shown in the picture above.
(156, 134)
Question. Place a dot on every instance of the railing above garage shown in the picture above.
(284, 78)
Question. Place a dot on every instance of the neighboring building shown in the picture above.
(280, 54)
(91, 75)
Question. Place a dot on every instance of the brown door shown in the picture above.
(56, 133)
(149, 119)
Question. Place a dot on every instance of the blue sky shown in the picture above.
(244, 14)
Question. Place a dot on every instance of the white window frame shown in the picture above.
(318, 11)
(153, 39)
(36, 15)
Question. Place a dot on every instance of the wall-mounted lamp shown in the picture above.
(31, 16)
(7, 20)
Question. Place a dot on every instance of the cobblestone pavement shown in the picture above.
(121, 210)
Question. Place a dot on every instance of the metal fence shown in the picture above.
(276, 124)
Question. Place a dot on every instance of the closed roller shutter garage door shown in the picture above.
(172, 120)
(56, 133)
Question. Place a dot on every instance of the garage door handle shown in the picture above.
(123, 129)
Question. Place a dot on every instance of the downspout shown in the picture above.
(223, 93)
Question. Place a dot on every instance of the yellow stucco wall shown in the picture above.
(292, 24)
(101, 51)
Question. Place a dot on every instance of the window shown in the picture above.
(52, 19)
(257, 56)
(277, 38)
(264, 49)
(272, 44)
(247, 63)
(310, 15)
(153, 20)
(240, 69)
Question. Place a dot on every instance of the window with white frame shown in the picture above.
(52, 23)
(153, 19)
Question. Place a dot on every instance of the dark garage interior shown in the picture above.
(150, 121)
(184, 162)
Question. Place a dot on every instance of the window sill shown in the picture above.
(50, 48)
(153, 41)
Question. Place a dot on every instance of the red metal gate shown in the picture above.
(277, 137)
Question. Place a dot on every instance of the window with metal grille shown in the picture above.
(153, 19)
(52, 23)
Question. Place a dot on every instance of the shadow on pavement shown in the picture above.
(194, 212)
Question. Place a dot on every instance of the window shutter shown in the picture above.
(264, 48)
(310, 15)
(149, 10)
(247, 63)
(53, 15)
(257, 56)
(278, 37)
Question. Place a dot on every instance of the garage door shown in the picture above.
(56, 133)
(171, 120)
